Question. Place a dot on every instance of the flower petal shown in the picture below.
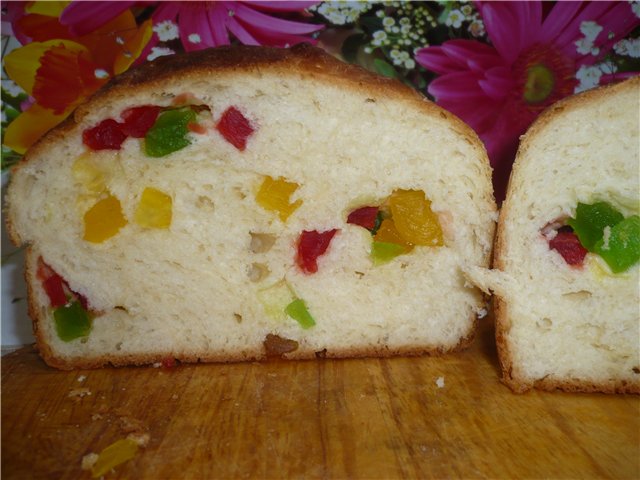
(436, 60)
(501, 25)
(40, 28)
(459, 86)
(284, 6)
(571, 32)
(557, 19)
(271, 24)
(133, 48)
(22, 63)
(473, 54)
(29, 126)
(240, 32)
(85, 17)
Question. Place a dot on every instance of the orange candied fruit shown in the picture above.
(414, 220)
(388, 233)
(275, 196)
(154, 210)
(103, 220)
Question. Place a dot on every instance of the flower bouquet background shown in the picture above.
(496, 65)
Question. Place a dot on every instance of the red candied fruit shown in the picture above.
(107, 135)
(364, 217)
(138, 120)
(311, 245)
(56, 287)
(568, 245)
(235, 128)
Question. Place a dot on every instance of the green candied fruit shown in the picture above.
(299, 312)
(591, 220)
(169, 133)
(72, 321)
(621, 249)
(383, 252)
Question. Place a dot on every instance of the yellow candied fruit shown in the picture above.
(275, 196)
(415, 221)
(154, 209)
(388, 233)
(113, 455)
(275, 298)
(88, 173)
(103, 220)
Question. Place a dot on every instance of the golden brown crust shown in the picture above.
(502, 320)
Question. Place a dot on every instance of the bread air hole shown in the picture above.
(205, 203)
(636, 370)
(261, 242)
(544, 324)
(237, 317)
(578, 296)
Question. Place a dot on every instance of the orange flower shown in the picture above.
(60, 71)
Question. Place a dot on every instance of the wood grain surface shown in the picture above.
(364, 418)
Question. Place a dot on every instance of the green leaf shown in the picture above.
(385, 68)
(621, 249)
(591, 220)
(13, 100)
(351, 46)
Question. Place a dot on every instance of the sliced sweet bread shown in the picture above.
(567, 248)
(241, 202)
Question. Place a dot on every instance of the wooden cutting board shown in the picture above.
(364, 418)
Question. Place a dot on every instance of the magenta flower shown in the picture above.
(201, 25)
(532, 62)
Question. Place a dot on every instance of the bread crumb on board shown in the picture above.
(440, 382)
(78, 393)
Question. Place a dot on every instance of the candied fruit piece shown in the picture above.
(169, 133)
(88, 173)
(388, 233)
(568, 245)
(138, 120)
(383, 252)
(113, 455)
(235, 128)
(311, 245)
(591, 220)
(415, 221)
(275, 195)
(366, 217)
(72, 321)
(275, 298)
(300, 313)
(276, 346)
(620, 247)
(154, 209)
(103, 220)
(106, 135)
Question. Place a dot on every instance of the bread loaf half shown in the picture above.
(241, 202)
(567, 248)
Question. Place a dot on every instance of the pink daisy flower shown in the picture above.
(201, 25)
(499, 89)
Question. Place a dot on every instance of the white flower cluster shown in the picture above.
(166, 30)
(635, 7)
(466, 13)
(628, 47)
(342, 12)
(404, 27)
(589, 75)
(585, 45)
